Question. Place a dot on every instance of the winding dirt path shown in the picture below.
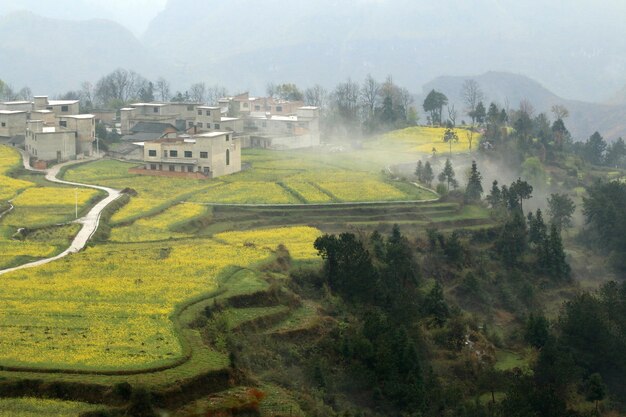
(89, 222)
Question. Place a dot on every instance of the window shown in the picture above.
(227, 157)
(65, 109)
(245, 105)
(257, 108)
(204, 155)
(264, 124)
(189, 108)
(4, 124)
(172, 168)
(63, 123)
(200, 125)
(217, 125)
(199, 112)
(173, 154)
(165, 154)
(153, 167)
(190, 168)
(279, 109)
(155, 109)
(208, 112)
(152, 152)
(227, 138)
(49, 108)
(207, 170)
(190, 124)
(188, 154)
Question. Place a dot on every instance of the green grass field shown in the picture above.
(33, 407)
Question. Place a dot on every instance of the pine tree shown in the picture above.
(559, 267)
(447, 175)
(428, 176)
(495, 196)
(537, 229)
(512, 241)
(419, 171)
(474, 189)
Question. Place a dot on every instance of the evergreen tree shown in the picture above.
(595, 389)
(558, 265)
(419, 171)
(537, 229)
(495, 196)
(474, 189)
(616, 154)
(522, 191)
(435, 305)
(561, 208)
(479, 113)
(594, 149)
(537, 331)
(511, 243)
(447, 175)
(450, 136)
(428, 176)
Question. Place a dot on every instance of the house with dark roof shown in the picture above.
(150, 131)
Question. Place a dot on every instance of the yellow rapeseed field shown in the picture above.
(110, 306)
(9, 187)
(36, 407)
(247, 192)
(158, 227)
(309, 191)
(424, 139)
(49, 196)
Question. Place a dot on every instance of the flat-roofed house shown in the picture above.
(84, 125)
(300, 130)
(50, 143)
(58, 107)
(205, 155)
(12, 123)
(210, 119)
(181, 115)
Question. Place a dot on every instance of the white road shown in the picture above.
(89, 222)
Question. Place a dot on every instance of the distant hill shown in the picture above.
(502, 88)
(52, 56)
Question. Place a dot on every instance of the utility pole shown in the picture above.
(76, 200)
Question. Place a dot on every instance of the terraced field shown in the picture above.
(109, 307)
(424, 139)
(33, 407)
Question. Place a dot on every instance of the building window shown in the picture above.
(190, 124)
(207, 170)
(245, 105)
(155, 109)
(279, 109)
(65, 109)
(189, 108)
(217, 125)
(4, 124)
(199, 112)
(227, 138)
(204, 155)
(190, 168)
(172, 168)
(200, 125)
(152, 152)
(188, 154)
(49, 108)
(208, 112)
(165, 154)
(63, 123)
(153, 167)
(173, 154)
(257, 108)
(264, 124)
(227, 157)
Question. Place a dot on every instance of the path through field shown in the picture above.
(90, 222)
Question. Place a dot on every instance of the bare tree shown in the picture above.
(452, 114)
(25, 94)
(472, 95)
(525, 106)
(369, 95)
(560, 112)
(162, 88)
(215, 93)
(271, 90)
(469, 134)
(346, 100)
(198, 92)
(316, 96)
(121, 85)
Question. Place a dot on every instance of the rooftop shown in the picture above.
(11, 111)
(209, 107)
(149, 104)
(212, 134)
(16, 102)
(62, 102)
(229, 119)
(79, 116)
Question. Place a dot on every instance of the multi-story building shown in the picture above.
(84, 126)
(300, 130)
(12, 123)
(50, 143)
(205, 155)
(181, 115)
(58, 107)
(209, 118)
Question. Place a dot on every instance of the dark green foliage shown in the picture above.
(522, 190)
(450, 136)
(428, 176)
(595, 389)
(435, 305)
(513, 239)
(479, 113)
(141, 404)
(605, 215)
(537, 229)
(495, 196)
(474, 189)
(616, 154)
(558, 267)
(561, 208)
(594, 149)
(537, 330)
(433, 104)
(419, 171)
(448, 176)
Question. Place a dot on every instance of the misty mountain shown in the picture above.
(53, 56)
(415, 40)
(508, 90)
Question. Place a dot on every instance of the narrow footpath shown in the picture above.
(89, 222)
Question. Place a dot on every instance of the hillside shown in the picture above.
(505, 88)
(52, 56)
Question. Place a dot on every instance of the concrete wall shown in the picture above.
(50, 146)
(12, 124)
(85, 129)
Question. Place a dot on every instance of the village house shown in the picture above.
(58, 107)
(12, 123)
(50, 143)
(181, 115)
(204, 155)
(299, 130)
